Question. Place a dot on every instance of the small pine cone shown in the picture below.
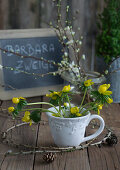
(112, 140)
(49, 157)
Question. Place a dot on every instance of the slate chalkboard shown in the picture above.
(47, 47)
(38, 44)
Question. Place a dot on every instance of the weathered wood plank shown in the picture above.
(48, 12)
(35, 14)
(29, 13)
(22, 135)
(107, 157)
(86, 19)
(4, 12)
(1, 15)
(69, 161)
(20, 14)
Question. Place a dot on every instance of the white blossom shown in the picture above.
(64, 37)
(80, 42)
(63, 62)
(65, 54)
(70, 42)
(73, 33)
(77, 50)
(83, 56)
(106, 71)
(74, 67)
(67, 28)
(1, 67)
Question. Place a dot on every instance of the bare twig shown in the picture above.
(33, 57)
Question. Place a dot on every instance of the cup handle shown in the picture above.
(99, 131)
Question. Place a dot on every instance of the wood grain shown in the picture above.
(21, 135)
(93, 158)
(107, 157)
(69, 161)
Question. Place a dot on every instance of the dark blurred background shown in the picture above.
(26, 14)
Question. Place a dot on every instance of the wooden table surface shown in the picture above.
(91, 158)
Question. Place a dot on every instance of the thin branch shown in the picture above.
(33, 57)
(56, 149)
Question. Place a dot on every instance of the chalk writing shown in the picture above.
(48, 48)
(32, 65)
(30, 50)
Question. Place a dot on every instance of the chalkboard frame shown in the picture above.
(28, 92)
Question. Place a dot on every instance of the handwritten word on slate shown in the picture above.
(48, 48)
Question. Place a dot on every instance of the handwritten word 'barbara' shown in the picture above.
(32, 66)
(30, 50)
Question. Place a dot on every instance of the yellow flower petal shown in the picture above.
(22, 98)
(55, 93)
(27, 113)
(107, 93)
(55, 115)
(66, 88)
(88, 83)
(110, 100)
(15, 100)
(74, 110)
(54, 97)
(78, 114)
(26, 117)
(103, 88)
(100, 106)
(11, 109)
(60, 93)
(65, 104)
(49, 95)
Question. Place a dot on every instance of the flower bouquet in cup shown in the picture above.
(67, 121)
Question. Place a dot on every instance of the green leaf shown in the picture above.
(15, 112)
(108, 38)
(36, 116)
(51, 91)
(21, 104)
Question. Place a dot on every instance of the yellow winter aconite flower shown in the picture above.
(88, 83)
(110, 100)
(55, 115)
(49, 95)
(26, 118)
(59, 93)
(22, 98)
(78, 114)
(74, 110)
(103, 89)
(99, 108)
(65, 104)
(15, 100)
(66, 88)
(11, 109)
(54, 95)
